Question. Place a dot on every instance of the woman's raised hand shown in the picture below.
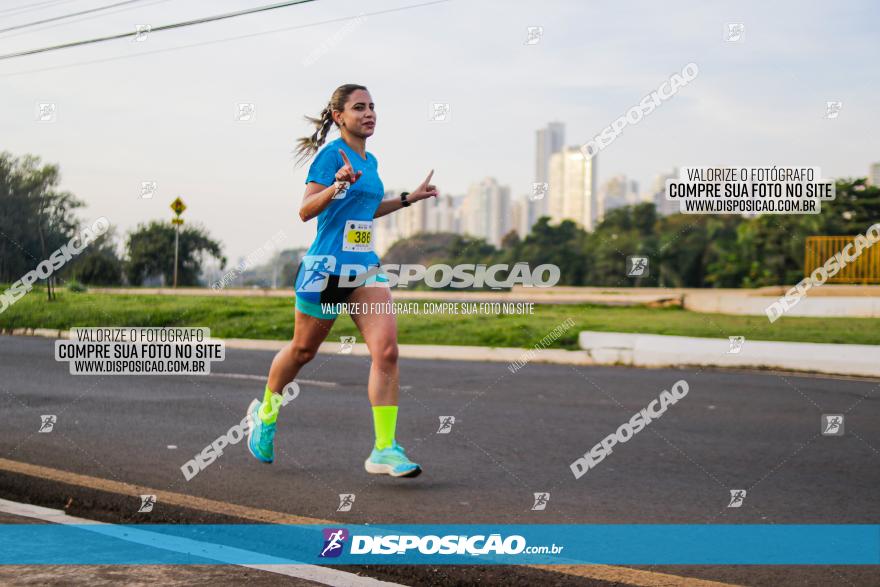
(425, 190)
(347, 172)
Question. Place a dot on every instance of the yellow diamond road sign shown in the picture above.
(178, 206)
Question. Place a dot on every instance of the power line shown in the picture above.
(65, 16)
(156, 29)
(35, 6)
(223, 40)
(83, 19)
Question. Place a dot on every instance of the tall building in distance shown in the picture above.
(664, 207)
(485, 211)
(431, 215)
(519, 215)
(548, 141)
(386, 229)
(412, 220)
(573, 188)
(616, 193)
(874, 174)
(572, 192)
(441, 214)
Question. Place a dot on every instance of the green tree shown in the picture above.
(424, 248)
(624, 232)
(35, 217)
(466, 249)
(683, 244)
(150, 250)
(562, 245)
(98, 264)
(723, 266)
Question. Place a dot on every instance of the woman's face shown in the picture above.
(359, 116)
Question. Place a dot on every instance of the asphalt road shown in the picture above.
(513, 435)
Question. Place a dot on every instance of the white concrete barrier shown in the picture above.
(653, 350)
(816, 307)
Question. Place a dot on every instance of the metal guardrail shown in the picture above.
(864, 269)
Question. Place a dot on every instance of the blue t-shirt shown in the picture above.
(345, 226)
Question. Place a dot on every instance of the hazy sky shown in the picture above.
(129, 111)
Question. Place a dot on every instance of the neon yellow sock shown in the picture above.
(385, 422)
(269, 408)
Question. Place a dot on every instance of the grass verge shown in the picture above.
(273, 319)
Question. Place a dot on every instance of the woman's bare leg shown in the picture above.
(380, 333)
(308, 334)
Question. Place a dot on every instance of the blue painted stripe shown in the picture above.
(626, 544)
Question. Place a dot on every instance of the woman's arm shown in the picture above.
(425, 190)
(388, 206)
(316, 198)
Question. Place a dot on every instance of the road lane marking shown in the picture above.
(316, 573)
(623, 575)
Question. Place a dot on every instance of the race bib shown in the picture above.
(358, 236)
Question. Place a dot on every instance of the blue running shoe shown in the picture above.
(391, 461)
(261, 436)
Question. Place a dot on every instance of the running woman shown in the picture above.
(345, 194)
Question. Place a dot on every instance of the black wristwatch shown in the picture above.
(403, 200)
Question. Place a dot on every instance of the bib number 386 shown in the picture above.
(358, 236)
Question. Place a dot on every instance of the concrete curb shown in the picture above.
(652, 350)
(406, 351)
(615, 348)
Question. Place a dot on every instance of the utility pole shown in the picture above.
(178, 206)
